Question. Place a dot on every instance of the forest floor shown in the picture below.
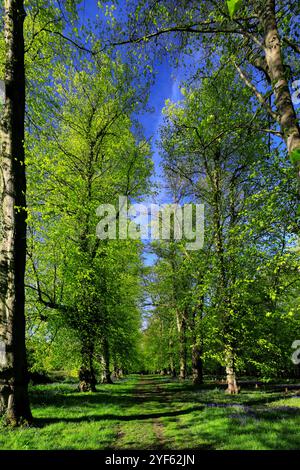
(153, 412)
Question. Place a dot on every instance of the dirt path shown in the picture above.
(142, 428)
(142, 391)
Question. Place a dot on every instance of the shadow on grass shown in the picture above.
(124, 399)
(163, 392)
(103, 417)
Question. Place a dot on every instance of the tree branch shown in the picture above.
(182, 29)
(292, 44)
(258, 95)
(66, 38)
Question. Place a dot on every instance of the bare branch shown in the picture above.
(66, 38)
(182, 29)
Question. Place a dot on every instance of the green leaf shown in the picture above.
(233, 6)
(295, 156)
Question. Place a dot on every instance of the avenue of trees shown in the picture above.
(71, 140)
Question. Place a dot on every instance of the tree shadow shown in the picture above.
(158, 393)
(40, 422)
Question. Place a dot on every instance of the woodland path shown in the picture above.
(147, 430)
(142, 412)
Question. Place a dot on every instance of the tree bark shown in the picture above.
(277, 72)
(118, 373)
(14, 401)
(172, 368)
(197, 365)
(106, 378)
(87, 379)
(232, 387)
(181, 323)
(197, 343)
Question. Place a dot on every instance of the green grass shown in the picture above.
(158, 413)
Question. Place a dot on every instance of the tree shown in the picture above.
(13, 369)
(215, 158)
(14, 400)
(91, 155)
(258, 39)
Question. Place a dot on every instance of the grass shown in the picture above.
(157, 413)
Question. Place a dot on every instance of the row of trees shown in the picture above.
(233, 304)
(82, 150)
(86, 155)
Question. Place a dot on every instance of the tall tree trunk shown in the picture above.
(197, 364)
(106, 378)
(226, 319)
(181, 323)
(118, 373)
(87, 379)
(14, 400)
(172, 368)
(232, 387)
(197, 343)
(277, 72)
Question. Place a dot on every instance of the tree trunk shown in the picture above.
(118, 373)
(14, 401)
(197, 344)
(277, 72)
(182, 347)
(106, 378)
(171, 359)
(226, 307)
(87, 379)
(197, 364)
(232, 387)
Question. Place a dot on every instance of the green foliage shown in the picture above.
(295, 156)
(84, 152)
(245, 278)
(233, 6)
(258, 419)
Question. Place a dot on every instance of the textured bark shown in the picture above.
(14, 402)
(87, 379)
(106, 378)
(181, 323)
(197, 365)
(197, 343)
(277, 72)
(232, 387)
(172, 369)
(118, 373)
(225, 316)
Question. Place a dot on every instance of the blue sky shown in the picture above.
(165, 87)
